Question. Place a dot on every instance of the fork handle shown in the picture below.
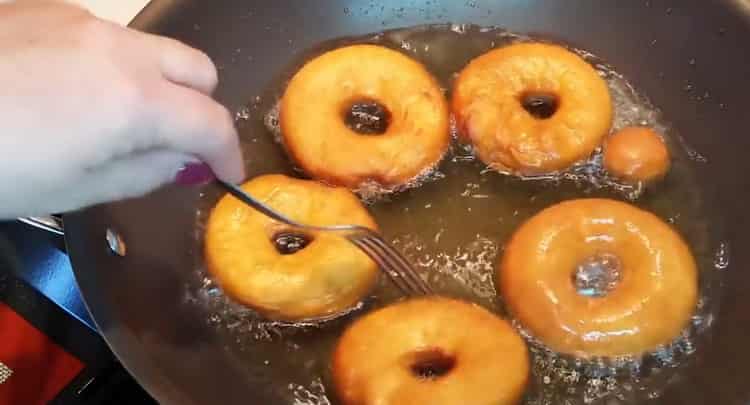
(243, 196)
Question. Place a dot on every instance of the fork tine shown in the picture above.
(385, 266)
(399, 265)
(407, 270)
(391, 265)
(403, 263)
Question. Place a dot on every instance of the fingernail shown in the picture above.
(194, 174)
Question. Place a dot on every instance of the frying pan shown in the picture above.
(670, 50)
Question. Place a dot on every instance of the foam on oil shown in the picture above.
(452, 223)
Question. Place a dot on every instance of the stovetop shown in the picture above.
(37, 282)
(40, 260)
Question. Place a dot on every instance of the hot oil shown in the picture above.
(452, 224)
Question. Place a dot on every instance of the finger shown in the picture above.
(128, 177)
(182, 64)
(195, 124)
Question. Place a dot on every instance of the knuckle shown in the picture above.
(228, 123)
(224, 134)
(97, 34)
(131, 96)
(201, 63)
(209, 68)
(211, 73)
(225, 127)
(131, 92)
(203, 67)
(66, 9)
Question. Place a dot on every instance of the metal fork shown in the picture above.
(390, 261)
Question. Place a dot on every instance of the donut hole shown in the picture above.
(432, 364)
(367, 117)
(597, 275)
(287, 243)
(540, 105)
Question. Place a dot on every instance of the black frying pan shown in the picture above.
(138, 300)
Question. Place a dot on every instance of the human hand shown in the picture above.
(92, 112)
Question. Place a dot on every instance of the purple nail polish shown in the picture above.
(194, 174)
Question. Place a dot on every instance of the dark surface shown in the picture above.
(43, 263)
(37, 282)
(137, 301)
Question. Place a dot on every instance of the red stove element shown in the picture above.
(33, 369)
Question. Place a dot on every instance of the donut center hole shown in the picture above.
(432, 364)
(598, 275)
(540, 105)
(367, 117)
(288, 243)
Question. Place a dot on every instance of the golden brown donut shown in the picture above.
(376, 82)
(435, 351)
(286, 276)
(597, 277)
(532, 108)
(636, 154)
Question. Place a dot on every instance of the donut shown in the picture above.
(599, 278)
(280, 272)
(531, 108)
(433, 350)
(636, 154)
(364, 114)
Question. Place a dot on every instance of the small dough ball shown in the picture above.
(636, 154)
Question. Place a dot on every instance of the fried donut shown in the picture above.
(363, 114)
(636, 154)
(597, 277)
(281, 273)
(435, 351)
(532, 108)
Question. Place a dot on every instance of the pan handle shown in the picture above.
(51, 223)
